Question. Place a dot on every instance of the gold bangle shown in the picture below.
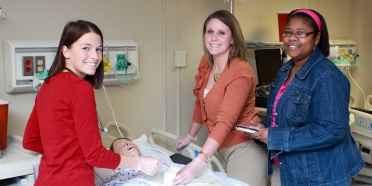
(206, 158)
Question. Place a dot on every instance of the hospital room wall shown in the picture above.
(347, 19)
(186, 28)
(163, 97)
(258, 19)
(117, 19)
(159, 27)
(361, 30)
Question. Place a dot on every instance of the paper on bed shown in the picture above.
(206, 177)
(169, 174)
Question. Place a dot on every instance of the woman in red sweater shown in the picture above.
(225, 97)
(63, 123)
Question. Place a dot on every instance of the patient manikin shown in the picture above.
(132, 177)
(126, 147)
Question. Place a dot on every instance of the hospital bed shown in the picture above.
(360, 122)
(148, 144)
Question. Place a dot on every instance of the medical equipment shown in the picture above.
(339, 44)
(124, 70)
(100, 126)
(27, 62)
(17, 165)
(147, 145)
(361, 128)
(232, 3)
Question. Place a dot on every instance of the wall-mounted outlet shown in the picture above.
(39, 64)
(28, 65)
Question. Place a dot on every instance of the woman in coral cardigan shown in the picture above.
(225, 92)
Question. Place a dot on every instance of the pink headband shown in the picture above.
(312, 15)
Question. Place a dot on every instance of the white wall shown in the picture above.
(361, 30)
(133, 105)
(259, 20)
(184, 21)
(160, 27)
(163, 97)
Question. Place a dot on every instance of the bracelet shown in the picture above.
(189, 136)
(206, 158)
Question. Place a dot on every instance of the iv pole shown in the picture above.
(231, 4)
(1, 16)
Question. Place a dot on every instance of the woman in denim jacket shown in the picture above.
(308, 134)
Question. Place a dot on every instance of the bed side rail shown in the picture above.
(109, 136)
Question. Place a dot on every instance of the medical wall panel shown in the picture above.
(27, 59)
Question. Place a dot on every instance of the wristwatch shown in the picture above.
(206, 158)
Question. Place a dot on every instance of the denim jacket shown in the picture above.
(312, 138)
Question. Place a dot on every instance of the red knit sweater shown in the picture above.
(230, 102)
(63, 128)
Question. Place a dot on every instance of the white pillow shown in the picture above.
(141, 142)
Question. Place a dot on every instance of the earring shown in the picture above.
(314, 47)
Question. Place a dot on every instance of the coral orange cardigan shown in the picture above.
(230, 102)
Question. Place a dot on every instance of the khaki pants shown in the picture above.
(275, 177)
(246, 162)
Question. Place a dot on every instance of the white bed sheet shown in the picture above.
(154, 150)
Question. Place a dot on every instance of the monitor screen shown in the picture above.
(268, 63)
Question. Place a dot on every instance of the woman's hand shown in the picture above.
(189, 172)
(181, 143)
(261, 134)
(258, 125)
(149, 165)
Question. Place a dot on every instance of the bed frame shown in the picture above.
(189, 151)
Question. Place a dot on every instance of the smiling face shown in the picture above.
(218, 38)
(126, 147)
(299, 49)
(84, 56)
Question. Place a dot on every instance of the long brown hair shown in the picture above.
(71, 33)
(238, 47)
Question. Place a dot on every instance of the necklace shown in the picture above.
(71, 71)
(216, 77)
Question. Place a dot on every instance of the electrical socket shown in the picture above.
(39, 64)
(28, 65)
